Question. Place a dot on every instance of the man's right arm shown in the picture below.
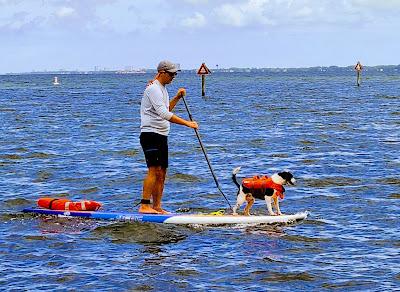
(177, 120)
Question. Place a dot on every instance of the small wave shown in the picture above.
(17, 202)
(7, 110)
(36, 237)
(394, 196)
(187, 273)
(299, 238)
(40, 155)
(280, 155)
(144, 233)
(43, 176)
(285, 277)
(90, 190)
(11, 156)
(126, 153)
(349, 284)
(331, 182)
(387, 96)
(390, 181)
(181, 177)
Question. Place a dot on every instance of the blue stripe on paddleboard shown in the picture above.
(155, 218)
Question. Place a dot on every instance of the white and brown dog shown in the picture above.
(263, 188)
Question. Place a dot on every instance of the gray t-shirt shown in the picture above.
(154, 109)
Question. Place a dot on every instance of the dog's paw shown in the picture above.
(235, 214)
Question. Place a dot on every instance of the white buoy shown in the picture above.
(55, 82)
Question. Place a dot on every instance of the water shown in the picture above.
(80, 140)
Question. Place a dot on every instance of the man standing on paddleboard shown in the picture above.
(156, 116)
(358, 68)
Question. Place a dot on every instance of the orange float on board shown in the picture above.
(68, 205)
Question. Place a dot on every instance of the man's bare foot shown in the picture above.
(146, 209)
(162, 211)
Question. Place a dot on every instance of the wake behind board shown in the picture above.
(173, 218)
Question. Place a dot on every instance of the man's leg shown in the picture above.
(159, 189)
(149, 187)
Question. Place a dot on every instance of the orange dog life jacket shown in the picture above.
(68, 205)
(258, 184)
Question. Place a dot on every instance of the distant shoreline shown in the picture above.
(213, 70)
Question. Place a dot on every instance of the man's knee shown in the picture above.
(158, 172)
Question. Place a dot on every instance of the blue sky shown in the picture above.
(114, 34)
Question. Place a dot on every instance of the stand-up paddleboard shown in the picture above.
(174, 218)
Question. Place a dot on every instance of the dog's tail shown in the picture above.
(234, 172)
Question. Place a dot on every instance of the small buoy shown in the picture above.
(55, 82)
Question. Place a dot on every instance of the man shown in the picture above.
(358, 68)
(156, 116)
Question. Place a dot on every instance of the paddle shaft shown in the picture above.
(205, 153)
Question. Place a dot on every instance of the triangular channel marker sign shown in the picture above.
(203, 70)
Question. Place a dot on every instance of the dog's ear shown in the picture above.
(286, 175)
(236, 170)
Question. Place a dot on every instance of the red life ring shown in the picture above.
(68, 205)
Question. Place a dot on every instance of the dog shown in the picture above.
(263, 188)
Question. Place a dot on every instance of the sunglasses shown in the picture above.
(171, 74)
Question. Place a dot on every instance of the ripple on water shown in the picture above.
(11, 157)
(182, 177)
(331, 182)
(143, 233)
(266, 276)
(300, 238)
(390, 181)
(43, 175)
(90, 190)
(125, 153)
(394, 196)
(358, 284)
(17, 202)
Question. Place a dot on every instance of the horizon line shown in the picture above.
(150, 70)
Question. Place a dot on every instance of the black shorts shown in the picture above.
(155, 148)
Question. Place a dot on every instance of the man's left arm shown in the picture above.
(181, 92)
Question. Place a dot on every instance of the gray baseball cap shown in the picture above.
(168, 66)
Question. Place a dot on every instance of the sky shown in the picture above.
(117, 34)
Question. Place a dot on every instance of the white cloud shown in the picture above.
(243, 14)
(196, 1)
(65, 11)
(304, 12)
(196, 21)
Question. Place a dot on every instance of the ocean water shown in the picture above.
(80, 140)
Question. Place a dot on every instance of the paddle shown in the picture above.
(205, 153)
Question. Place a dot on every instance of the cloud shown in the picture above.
(196, 21)
(314, 14)
(196, 2)
(247, 13)
(142, 16)
(65, 11)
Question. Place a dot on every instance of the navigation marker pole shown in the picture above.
(203, 71)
